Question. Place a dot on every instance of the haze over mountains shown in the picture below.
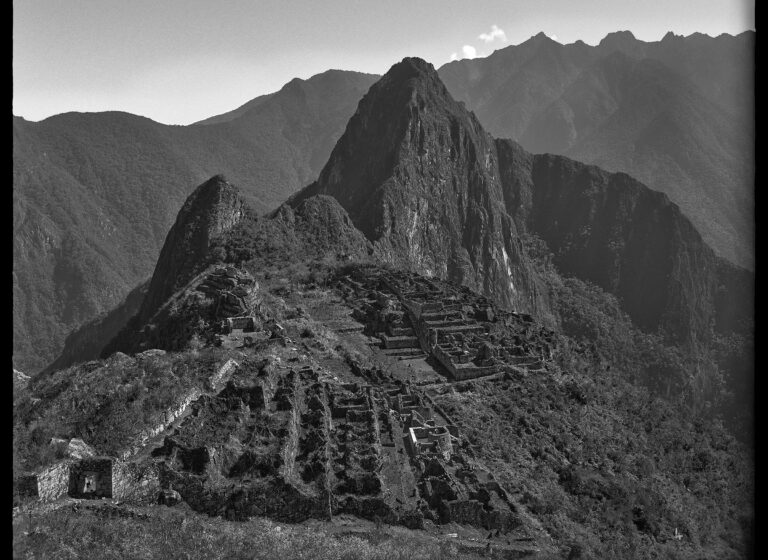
(677, 114)
(660, 118)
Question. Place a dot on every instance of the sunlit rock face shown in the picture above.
(419, 177)
(435, 193)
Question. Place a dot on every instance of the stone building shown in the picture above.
(93, 478)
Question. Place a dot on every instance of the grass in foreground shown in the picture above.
(176, 534)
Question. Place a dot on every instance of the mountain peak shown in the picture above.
(418, 175)
(214, 184)
(414, 63)
(539, 39)
(393, 124)
(410, 73)
(209, 198)
(670, 36)
(617, 38)
(213, 208)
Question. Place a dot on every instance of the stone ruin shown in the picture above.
(449, 484)
(279, 442)
(93, 478)
(244, 324)
(235, 291)
(86, 475)
(287, 443)
(414, 316)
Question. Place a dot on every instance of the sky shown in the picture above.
(180, 61)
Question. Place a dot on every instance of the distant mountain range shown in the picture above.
(565, 366)
(435, 193)
(677, 114)
(427, 189)
(94, 194)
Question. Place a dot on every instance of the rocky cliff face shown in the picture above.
(213, 229)
(434, 192)
(318, 226)
(419, 177)
(212, 209)
(677, 114)
(614, 231)
(417, 182)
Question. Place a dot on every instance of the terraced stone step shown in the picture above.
(403, 352)
(392, 342)
(344, 329)
(419, 356)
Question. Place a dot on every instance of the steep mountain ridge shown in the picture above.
(212, 209)
(610, 229)
(89, 217)
(678, 114)
(434, 192)
(95, 194)
(418, 176)
(87, 341)
(215, 227)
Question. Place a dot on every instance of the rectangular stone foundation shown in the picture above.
(91, 478)
(392, 342)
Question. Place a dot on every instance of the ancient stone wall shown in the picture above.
(242, 323)
(473, 512)
(291, 444)
(91, 478)
(137, 483)
(221, 375)
(95, 477)
(164, 420)
(53, 481)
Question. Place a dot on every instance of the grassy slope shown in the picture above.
(104, 402)
(175, 534)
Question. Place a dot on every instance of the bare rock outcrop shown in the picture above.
(212, 209)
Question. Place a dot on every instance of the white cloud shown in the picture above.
(494, 34)
(469, 51)
(553, 37)
(454, 56)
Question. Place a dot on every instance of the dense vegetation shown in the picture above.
(631, 440)
(293, 243)
(95, 194)
(164, 533)
(622, 447)
(103, 402)
(610, 470)
(712, 380)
